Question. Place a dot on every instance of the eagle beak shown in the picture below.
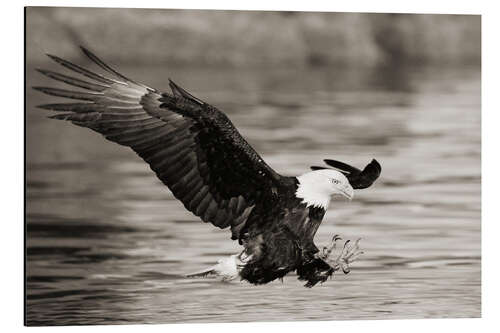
(348, 192)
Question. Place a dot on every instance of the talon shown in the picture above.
(345, 250)
(356, 256)
(356, 243)
(352, 253)
(333, 245)
(349, 253)
(336, 238)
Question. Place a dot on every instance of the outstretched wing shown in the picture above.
(192, 147)
(357, 178)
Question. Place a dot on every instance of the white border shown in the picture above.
(12, 162)
(381, 6)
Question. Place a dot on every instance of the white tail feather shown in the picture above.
(227, 268)
(203, 273)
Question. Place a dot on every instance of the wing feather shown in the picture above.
(68, 93)
(73, 81)
(83, 71)
(191, 146)
(357, 178)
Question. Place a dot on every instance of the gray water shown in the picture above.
(108, 244)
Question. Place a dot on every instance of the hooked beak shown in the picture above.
(347, 192)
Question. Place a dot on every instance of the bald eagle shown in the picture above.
(195, 150)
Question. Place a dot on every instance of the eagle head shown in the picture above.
(316, 188)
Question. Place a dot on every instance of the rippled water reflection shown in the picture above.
(108, 244)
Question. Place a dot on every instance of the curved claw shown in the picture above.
(336, 238)
(327, 250)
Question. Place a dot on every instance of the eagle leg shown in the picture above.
(321, 266)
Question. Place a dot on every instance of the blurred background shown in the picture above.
(108, 244)
(250, 38)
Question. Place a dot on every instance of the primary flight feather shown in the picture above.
(195, 150)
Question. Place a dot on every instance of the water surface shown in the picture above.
(108, 244)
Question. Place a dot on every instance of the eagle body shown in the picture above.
(279, 237)
(196, 151)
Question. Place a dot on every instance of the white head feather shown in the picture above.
(317, 187)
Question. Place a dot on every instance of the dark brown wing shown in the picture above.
(357, 178)
(191, 146)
